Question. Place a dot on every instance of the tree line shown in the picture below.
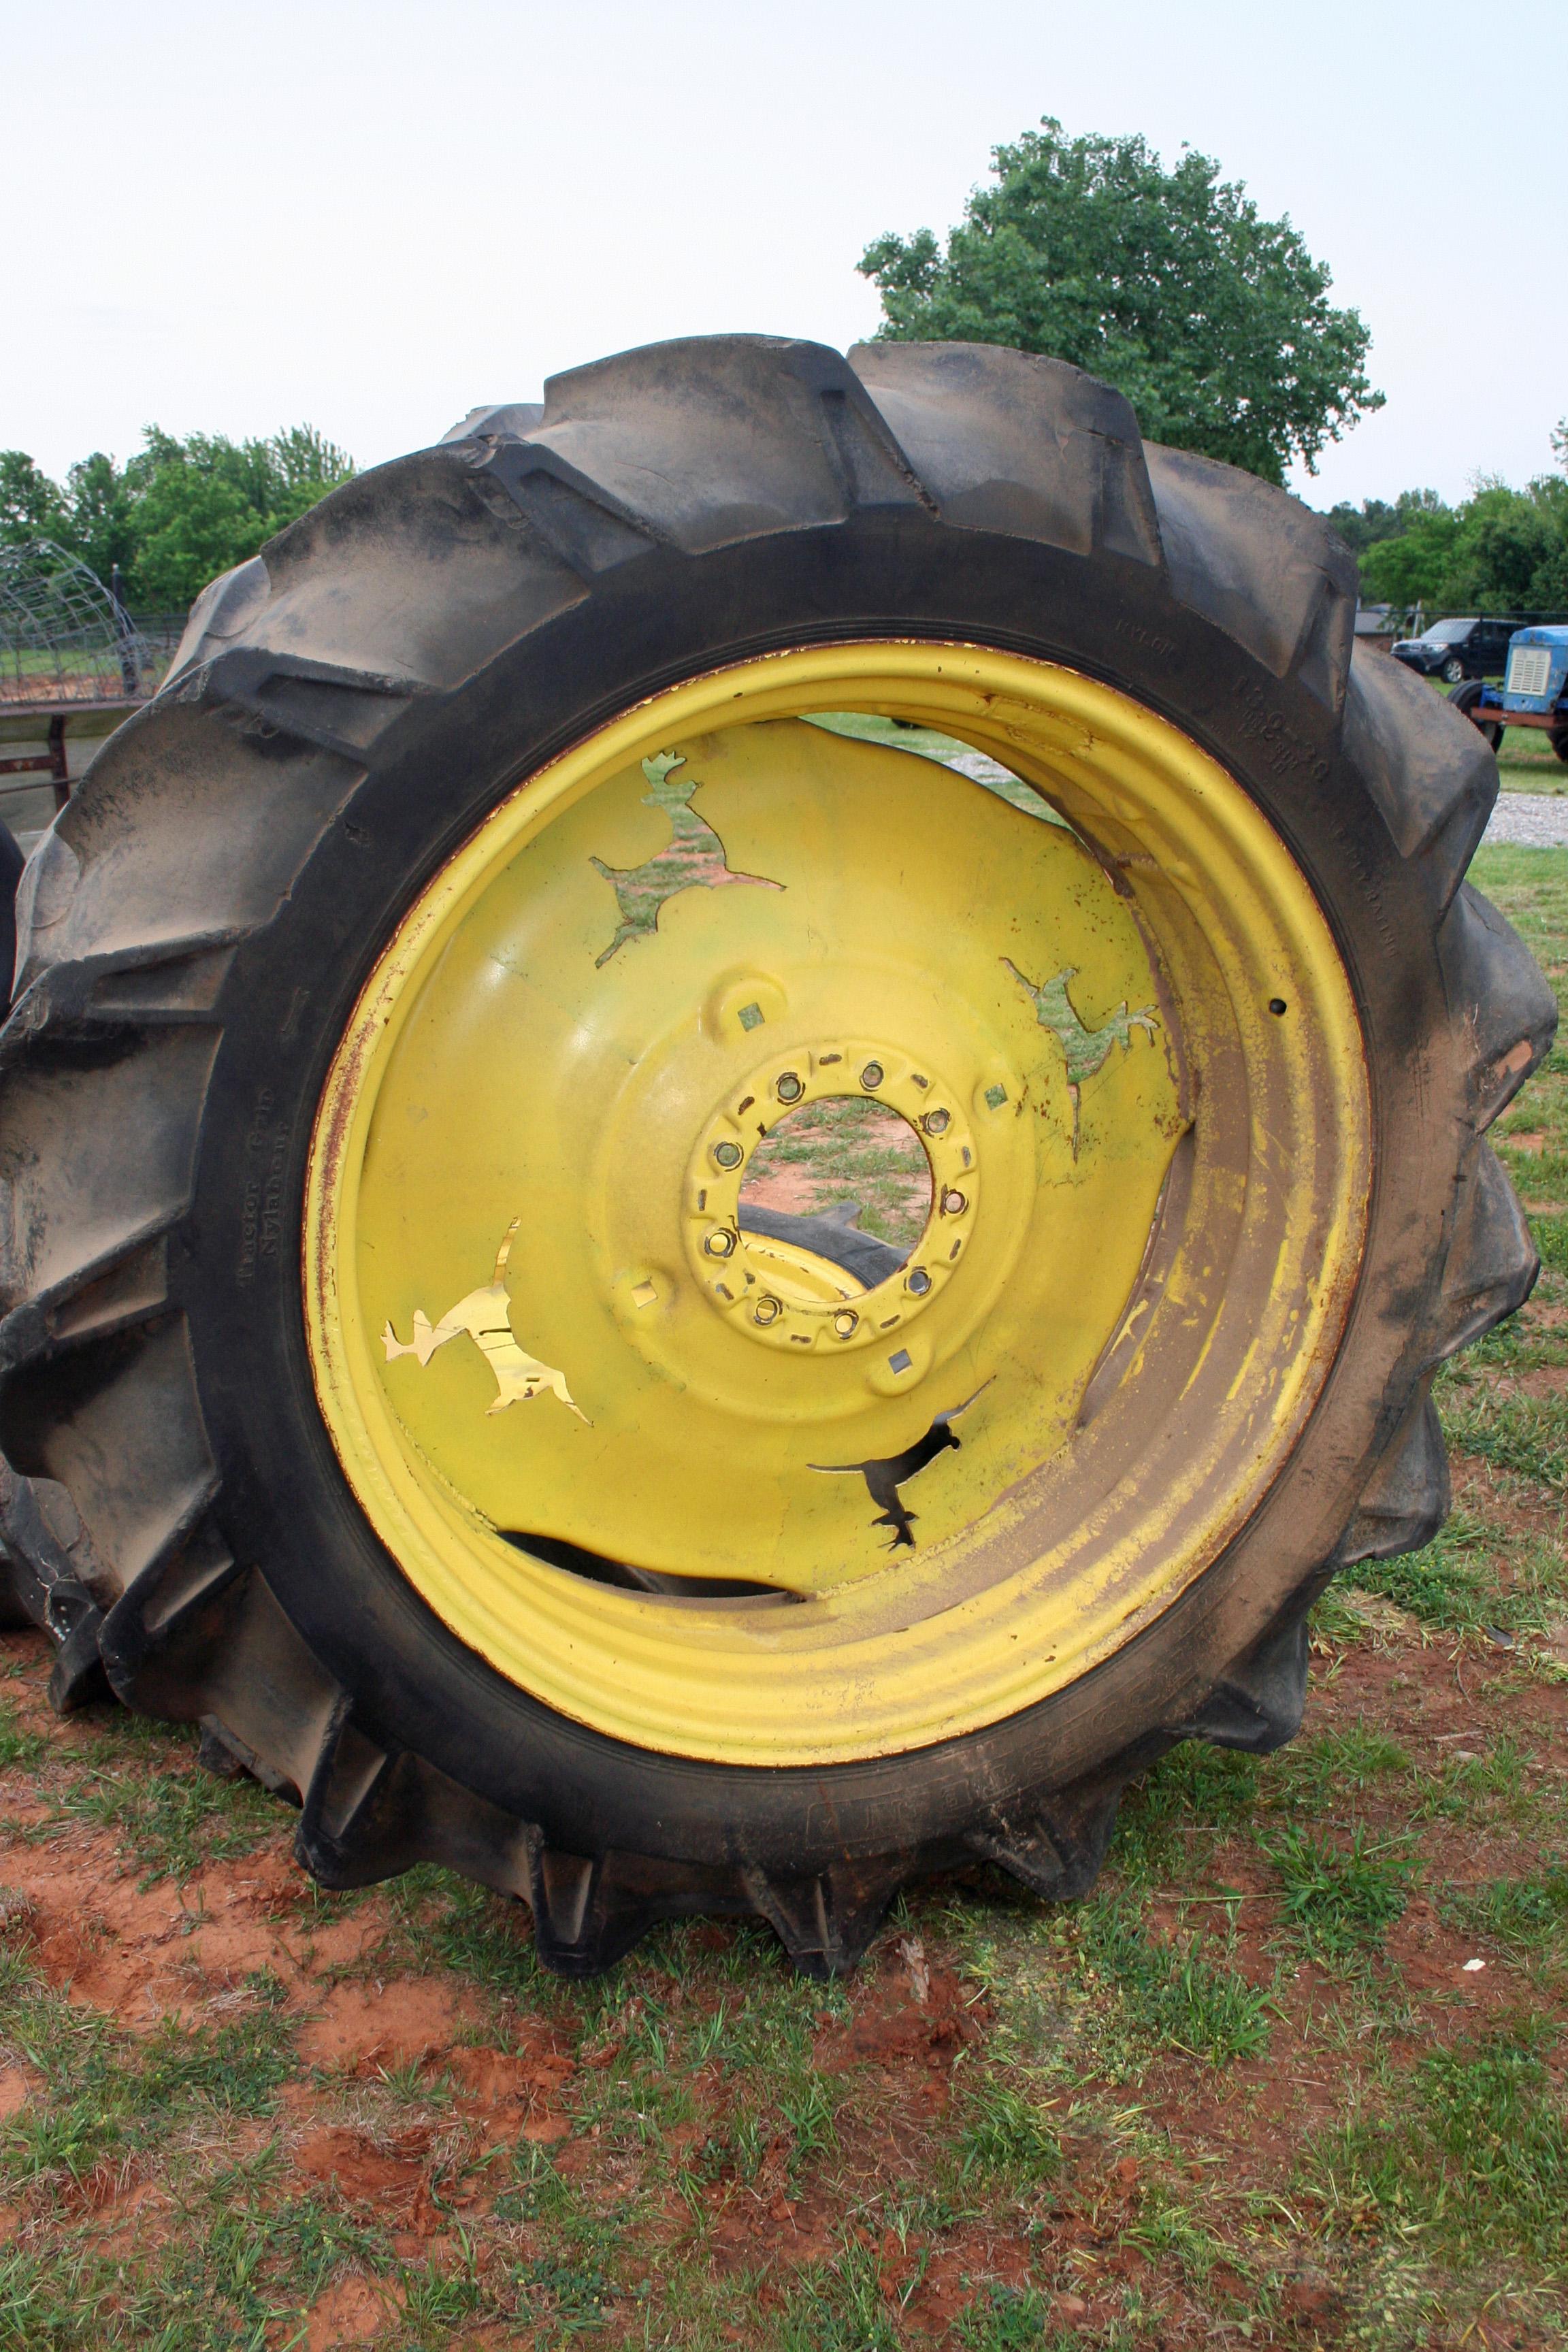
(1498, 551)
(176, 513)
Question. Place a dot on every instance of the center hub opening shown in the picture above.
(848, 1160)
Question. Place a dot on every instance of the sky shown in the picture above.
(371, 218)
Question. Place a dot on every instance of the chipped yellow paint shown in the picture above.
(494, 1064)
(485, 1316)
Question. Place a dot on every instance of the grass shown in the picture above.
(1339, 1896)
(847, 1150)
(1527, 762)
(1471, 2149)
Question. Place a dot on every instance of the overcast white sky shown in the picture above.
(371, 217)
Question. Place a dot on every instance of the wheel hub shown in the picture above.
(787, 1297)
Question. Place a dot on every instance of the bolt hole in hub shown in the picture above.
(579, 1254)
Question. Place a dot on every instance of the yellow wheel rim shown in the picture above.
(548, 1352)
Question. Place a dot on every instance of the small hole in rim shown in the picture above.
(1277, 1006)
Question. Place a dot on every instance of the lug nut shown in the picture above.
(872, 1075)
(953, 1205)
(766, 1310)
(937, 1122)
(846, 1323)
(918, 1281)
(728, 1155)
(788, 1086)
(721, 1243)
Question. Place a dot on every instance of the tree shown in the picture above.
(101, 528)
(178, 512)
(1374, 519)
(1214, 323)
(31, 507)
(206, 504)
(1411, 566)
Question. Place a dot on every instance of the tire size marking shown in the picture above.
(261, 1209)
(1283, 747)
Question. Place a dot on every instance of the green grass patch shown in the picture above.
(26, 1748)
(1455, 1586)
(1475, 2157)
(1339, 1900)
(1010, 2319)
(1313, 1773)
(1523, 1916)
(1127, 1995)
(1526, 1434)
(111, 2096)
(171, 1819)
(1006, 2135)
(1173, 1814)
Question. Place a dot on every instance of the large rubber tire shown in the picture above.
(1464, 699)
(344, 710)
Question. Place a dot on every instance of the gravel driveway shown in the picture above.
(1538, 820)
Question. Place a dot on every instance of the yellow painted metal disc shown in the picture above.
(699, 1485)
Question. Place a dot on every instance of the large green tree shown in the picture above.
(177, 513)
(1214, 323)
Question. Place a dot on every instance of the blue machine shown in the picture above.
(1534, 692)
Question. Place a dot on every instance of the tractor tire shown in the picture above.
(381, 961)
(1464, 699)
(1559, 742)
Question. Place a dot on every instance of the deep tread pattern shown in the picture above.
(54, 1580)
(1003, 441)
(1261, 1701)
(1499, 998)
(825, 1921)
(335, 710)
(71, 1216)
(717, 439)
(120, 1426)
(1409, 1495)
(583, 529)
(200, 1639)
(1056, 1847)
(509, 420)
(1433, 778)
(408, 571)
(1259, 565)
(1492, 1262)
(198, 868)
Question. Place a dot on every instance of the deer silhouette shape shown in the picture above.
(1084, 1050)
(484, 1315)
(694, 859)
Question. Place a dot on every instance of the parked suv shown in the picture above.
(1457, 650)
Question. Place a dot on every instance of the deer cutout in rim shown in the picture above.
(484, 1315)
(694, 859)
(1084, 1050)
